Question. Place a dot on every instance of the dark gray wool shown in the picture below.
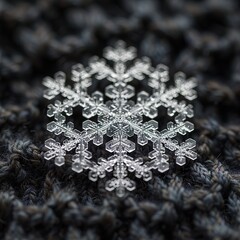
(39, 200)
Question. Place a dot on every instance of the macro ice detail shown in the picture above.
(120, 118)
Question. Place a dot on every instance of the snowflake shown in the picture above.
(120, 118)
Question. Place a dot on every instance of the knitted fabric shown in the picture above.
(39, 200)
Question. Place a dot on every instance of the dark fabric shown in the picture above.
(39, 200)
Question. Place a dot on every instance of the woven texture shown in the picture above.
(39, 200)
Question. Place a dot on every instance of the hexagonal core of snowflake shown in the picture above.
(120, 118)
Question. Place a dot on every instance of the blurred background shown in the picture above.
(39, 200)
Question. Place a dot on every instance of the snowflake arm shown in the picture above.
(119, 74)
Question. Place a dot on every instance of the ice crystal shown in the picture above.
(120, 118)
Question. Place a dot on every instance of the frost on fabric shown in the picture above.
(120, 118)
